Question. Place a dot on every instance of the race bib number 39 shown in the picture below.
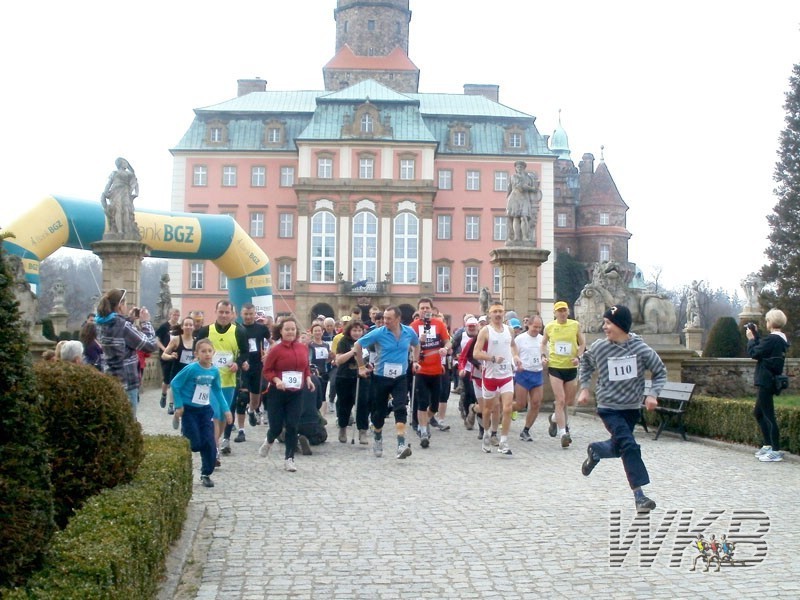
(292, 379)
(622, 368)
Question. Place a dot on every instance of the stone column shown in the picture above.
(519, 268)
(694, 339)
(122, 263)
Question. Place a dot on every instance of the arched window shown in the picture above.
(406, 243)
(365, 247)
(323, 248)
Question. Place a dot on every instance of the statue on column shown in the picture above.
(693, 305)
(164, 299)
(117, 200)
(752, 286)
(522, 205)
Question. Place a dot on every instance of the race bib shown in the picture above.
(563, 348)
(502, 368)
(430, 333)
(187, 356)
(292, 379)
(320, 353)
(392, 370)
(223, 360)
(202, 394)
(469, 367)
(251, 345)
(536, 360)
(622, 368)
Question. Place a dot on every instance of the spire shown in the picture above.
(559, 142)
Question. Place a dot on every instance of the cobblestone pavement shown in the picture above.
(453, 522)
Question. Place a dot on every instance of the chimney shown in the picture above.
(247, 86)
(488, 90)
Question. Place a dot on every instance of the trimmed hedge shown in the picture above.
(725, 340)
(95, 442)
(115, 546)
(732, 421)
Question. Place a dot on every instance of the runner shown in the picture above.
(562, 347)
(257, 335)
(529, 382)
(495, 346)
(348, 384)
(392, 343)
(620, 361)
(434, 342)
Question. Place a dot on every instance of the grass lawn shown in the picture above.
(782, 400)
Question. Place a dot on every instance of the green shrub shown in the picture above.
(26, 498)
(725, 340)
(94, 439)
(114, 547)
(48, 331)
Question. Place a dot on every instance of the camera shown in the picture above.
(427, 321)
(135, 313)
(752, 328)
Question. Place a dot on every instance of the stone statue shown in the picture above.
(693, 305)
(522, 205)
(164, 299)
(752, 286)
(58, 296)
(23, 294)
(117, 200)
(485, 299)
(652, 313)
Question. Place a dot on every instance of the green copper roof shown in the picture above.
(369, 89)
(256, 102)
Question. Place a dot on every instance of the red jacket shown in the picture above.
(286, 356)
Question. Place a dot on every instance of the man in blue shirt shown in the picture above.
(392, 343)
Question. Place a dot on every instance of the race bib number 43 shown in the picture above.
(223, 360)
(621, 368)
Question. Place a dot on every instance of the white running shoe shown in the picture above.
(264, 449)
(764, 450)
(289, 465)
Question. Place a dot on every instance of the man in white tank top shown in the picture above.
(495, 346)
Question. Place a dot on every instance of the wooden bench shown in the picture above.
(672, 404)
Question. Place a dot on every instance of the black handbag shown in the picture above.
(781, 383)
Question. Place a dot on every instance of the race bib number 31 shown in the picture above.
(622, 368)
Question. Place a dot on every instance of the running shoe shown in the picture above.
(251, 417)
(771, 456)
(590, 463)
(486, 445)
(240, 437)
(764, 450)
(525, 436)
(225, 446)
(552, 429)
(289, 465)
(403, 451)
(206, 481)
(566, 440)
(377, 447)
(644, 504)
(264, 449)
(425, 439)
(504, 449)
(163, 402)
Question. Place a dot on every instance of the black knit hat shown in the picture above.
(620, 316)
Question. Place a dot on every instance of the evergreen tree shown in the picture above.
(570, 277)
(26, 501)
(725, 340)
(782, 272)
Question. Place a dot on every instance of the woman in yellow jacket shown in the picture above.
(562, 346)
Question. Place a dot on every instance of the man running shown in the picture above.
(257, 335)
(529, 382)
(392, 344)
(434, 342)
(496, 348)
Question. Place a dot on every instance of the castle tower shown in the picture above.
(372, 43)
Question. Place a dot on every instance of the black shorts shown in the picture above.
(166, 371)
(565, 375)
(251, 379)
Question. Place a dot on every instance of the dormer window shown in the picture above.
(367, 123)
(216, 132)
(514, 139)
(459, 137)
(274, 133)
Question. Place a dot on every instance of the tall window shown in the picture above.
(473, 227)
(257, 224)
(285, 276)
(561, 220)
(444, 227)
(365, 247)
(407, 169)
(229, 176)
(515, 140)
(273, 135)
(471, 280)
(496, 281)
(325, 168)
(215, 135)
(445, 179)
(459, 138)
(323, 248)
(473, 180)
(367, 123)
(605, 252)
(258, 176)
(366, 168)
(406, 234)
(500, 228)
(200, 176)
(223, 281)
(287, 176)
(604, 218)
(500, 181)
(285, 225)
(443, 279)
(197, 275)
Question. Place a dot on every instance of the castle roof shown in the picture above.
(602, 190)
(345, 59)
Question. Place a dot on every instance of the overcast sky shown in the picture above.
(686, 97)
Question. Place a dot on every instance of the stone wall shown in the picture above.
(730, 377)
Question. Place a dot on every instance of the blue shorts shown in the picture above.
(529, 379)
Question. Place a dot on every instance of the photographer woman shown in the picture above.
(770, 352)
